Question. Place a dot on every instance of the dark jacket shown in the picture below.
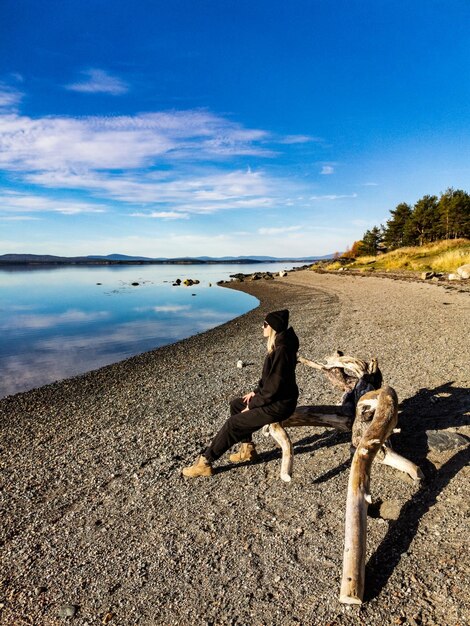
(278, 378)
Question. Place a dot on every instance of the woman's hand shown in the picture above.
(246, 398)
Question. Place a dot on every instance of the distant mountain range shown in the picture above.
(118, 259)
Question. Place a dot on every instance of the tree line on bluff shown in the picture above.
(430, 219)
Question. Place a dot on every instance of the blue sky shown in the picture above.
(219, 127)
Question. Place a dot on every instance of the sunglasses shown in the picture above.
(265, 324)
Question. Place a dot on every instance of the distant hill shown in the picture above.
(39, 258)
(121, 259)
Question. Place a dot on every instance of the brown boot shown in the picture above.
(202, 467)
(247, 452)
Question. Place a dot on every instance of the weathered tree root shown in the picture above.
(374, 422)
(368, 439)
(333, 417)
(281, 437)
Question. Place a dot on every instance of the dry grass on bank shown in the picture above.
(441, 256)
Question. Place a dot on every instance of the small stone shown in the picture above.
(277, 579)
(67, 610)
(390, 509)
(240, 364)
(427, 275)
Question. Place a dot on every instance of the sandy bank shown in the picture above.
(97, 520)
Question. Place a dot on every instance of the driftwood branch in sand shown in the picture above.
(389, 457)
(368, 436)
(279, 435)
(374, 421)
(336, 416)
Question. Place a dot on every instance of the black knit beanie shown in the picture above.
(279, 320)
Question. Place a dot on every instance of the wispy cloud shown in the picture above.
(174, 193)
(10, 97)
(327, 169)
(166, 215)
(163, 165)
(334, 196)
(278, 231)
(370, 184)
(293, 139)
(99, 81)
(120, 143)
(27, 203)
(18, 218)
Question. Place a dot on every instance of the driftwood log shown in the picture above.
(368, 436)
(374, 421)
(343, 372)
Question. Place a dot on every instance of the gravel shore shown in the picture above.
(99, 527)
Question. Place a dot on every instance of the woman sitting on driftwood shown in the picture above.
(274, 399)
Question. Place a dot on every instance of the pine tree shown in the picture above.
(424, 223)
(454, 214)
(371, 240)
(395, 232)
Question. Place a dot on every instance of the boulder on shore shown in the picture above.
(427, 275)
(464, 271)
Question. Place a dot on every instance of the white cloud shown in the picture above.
(187, 192)
(305, 242)
(327, 169)
(121, 143)
(27, 203)
(161, 165)
(10, 98)
(99, 81)
(167, 215)
(278, 231)
(370, 184)
(333, 197)
(18, 218)
(293, 139)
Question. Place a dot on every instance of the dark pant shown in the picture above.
(240, 426)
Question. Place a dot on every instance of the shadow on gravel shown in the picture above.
(423, 419)
(303, 446)
(322, 440)
(263, 458)
(424, 415)
(332, 473)
(401, 533)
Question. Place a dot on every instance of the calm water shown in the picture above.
(57, 323)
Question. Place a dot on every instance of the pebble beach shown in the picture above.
(99, 527)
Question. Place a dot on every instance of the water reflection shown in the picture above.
(73, 320)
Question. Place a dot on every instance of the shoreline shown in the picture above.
(98, 518)
(405, 276)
